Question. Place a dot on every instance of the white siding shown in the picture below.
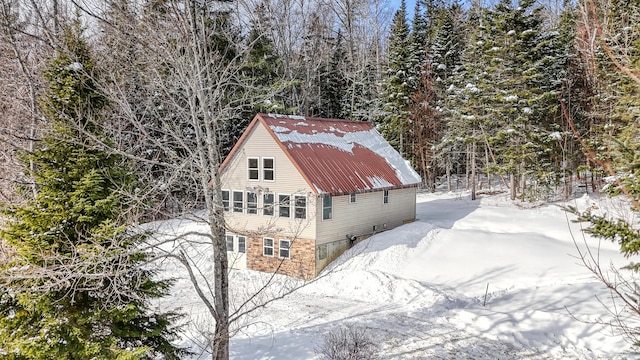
(368, 211)
(288, 180)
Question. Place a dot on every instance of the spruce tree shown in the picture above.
(76, 287)
(515, 78)
(397, 87)
(263, 70)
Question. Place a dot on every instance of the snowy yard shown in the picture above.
(419, 290)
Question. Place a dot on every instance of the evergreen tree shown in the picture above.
(516, 79)
(263, 69)
(397, 88)
(617, 115)
(80, 291)
(577, 92)
(446, 67)
(333, 86)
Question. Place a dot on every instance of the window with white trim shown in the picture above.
(252, 202)
(300, 206)
(352, 198)
(268, 169)
(267, 246)
(242, 244)
(238, 201)
(283, 249)
(385, 196)
(229, 239)
(253, 168)
(268, 203)
(327, 208)
(284, 205)
(226, 197)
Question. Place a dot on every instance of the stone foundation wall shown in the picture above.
(301, 262)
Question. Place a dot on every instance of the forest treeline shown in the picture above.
(113, 113)
(505, 90)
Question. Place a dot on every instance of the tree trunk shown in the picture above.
(448, 170)
(486, 159)
(473, 171)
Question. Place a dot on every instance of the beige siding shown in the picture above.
(359, 218)
(287, 180)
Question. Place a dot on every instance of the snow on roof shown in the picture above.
(340, 156)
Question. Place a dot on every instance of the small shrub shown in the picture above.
(347, 343)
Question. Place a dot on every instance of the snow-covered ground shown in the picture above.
(418, 290)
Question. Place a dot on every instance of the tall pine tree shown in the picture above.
(76, 287)
(397, 88)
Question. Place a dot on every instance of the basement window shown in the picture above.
(322, 252)
(284, 249)
(267, 246)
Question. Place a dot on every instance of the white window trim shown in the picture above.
(295, 206)
(256, 203)
(280, 241)
(322, 208)
(353, 198)
(249, 158)
(278, 205)
(262, 168)
(273, 204)
(229, 200)
(233, 202)
(268, 247)
(245, 244)
(385, 196)
(233, 243)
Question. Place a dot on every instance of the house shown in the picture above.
(299, 191)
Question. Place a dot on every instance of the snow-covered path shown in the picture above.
(419, 290)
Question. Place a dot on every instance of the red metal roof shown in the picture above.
(337, 156)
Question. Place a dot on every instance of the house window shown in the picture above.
(352, 198)
(385, 196)
(300, 205)
(267, 246)
(252, 166)
(284, 249)
(322, 252)
(225, 199)
(252, 202)
(268, 173)
(267, 203)
(242, 244)
(238, 201)
(229, 239)
(327, 205)
(284, 207)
